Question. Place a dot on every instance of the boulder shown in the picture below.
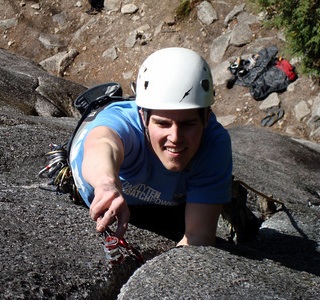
(24, 85)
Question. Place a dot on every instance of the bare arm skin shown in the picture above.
(201, 224)
(103, 155)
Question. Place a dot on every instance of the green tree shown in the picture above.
(300, 20)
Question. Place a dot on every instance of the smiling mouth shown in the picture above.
(175, 150)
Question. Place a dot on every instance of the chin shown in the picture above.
(174, 167)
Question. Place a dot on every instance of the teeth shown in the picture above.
(175, 150)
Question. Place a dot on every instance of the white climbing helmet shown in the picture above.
(174, 78)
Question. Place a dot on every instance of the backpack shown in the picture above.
(264, 73)
(96, 97)
(58, 169)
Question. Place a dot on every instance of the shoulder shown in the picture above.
(215, 148)
(215, 133)
(121, 112)
(125, 106)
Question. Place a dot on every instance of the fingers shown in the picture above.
(107, 207)
(107, 219)
(119, 212)
(102, 202)
(123, 219)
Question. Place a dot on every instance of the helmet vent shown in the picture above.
(146, 84)
(205, 84)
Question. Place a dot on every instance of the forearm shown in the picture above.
(197, 239)
(103, 155)
(200, 224)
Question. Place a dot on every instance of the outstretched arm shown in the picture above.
(103, 156)
(200, 224)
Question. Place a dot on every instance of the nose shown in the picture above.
(174, 134)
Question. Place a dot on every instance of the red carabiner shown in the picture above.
(113, 246)
(112, 251)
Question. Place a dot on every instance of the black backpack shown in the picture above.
(57, 168)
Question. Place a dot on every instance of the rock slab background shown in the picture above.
(49, 248)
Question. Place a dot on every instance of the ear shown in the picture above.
(143, 118)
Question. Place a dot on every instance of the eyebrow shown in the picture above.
(163, 119)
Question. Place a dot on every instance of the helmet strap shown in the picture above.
(145, 116)
(205, 115)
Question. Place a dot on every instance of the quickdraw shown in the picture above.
(58, 170)
(116, 249)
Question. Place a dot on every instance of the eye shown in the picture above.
(163, 124)
(189, 123)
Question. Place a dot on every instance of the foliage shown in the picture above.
(184, 9)
(300, 20)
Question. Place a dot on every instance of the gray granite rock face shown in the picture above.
(211, 273)
(49, 248)
(24, 85)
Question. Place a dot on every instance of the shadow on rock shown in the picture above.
(164, 221)
(297, 252)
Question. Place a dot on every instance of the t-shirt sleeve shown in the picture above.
(211, 175)
(125, 122)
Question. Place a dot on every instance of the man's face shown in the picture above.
(175, 136)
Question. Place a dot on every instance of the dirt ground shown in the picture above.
(110, 28)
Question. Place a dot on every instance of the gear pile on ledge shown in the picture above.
(264, 73)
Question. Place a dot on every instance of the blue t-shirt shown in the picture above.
(207, 179)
